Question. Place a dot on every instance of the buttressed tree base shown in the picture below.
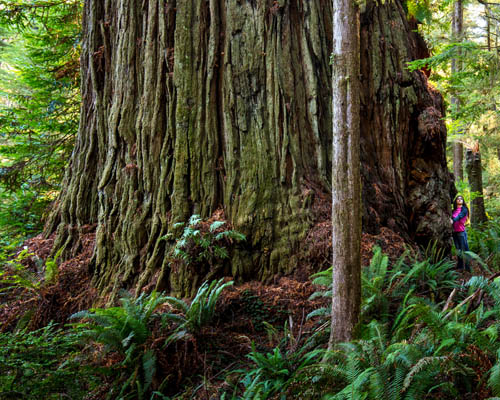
(195, 106)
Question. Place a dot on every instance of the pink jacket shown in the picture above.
(459, 217)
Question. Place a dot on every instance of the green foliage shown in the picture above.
(198, 314)
(197, 245)
(276, 371)
(14, 274)
(39, 106)
(494, 377)
(126, 330)
(375, 367)
(20, 212)
(420, 9)
(382, 285)
(44, 364)
(485, 242)
(410, 339)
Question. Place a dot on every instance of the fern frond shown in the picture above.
(320, 312)
(494, 377)
(177, 303)
(423, 363)
(216, 225)
(149, 368)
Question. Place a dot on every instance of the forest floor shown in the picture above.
(249, 314)
(73, 290)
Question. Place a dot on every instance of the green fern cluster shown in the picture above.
(126, 330)
(274, 372)
(383, 285)
(485, 242)
(15, 275)
(377, 368)
(413, 346)
(191, 318)
(197, 244)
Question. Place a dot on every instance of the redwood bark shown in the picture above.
(190, 107)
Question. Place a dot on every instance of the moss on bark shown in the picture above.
(189, 106)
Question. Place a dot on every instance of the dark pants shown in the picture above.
(460, 240)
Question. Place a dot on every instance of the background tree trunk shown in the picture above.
(457, 35)
(475, 175)
(190, 107)
(346, 180)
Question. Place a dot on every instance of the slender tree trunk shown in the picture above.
(199, 106)
(488, 29)
(475, 175)
(457, 35)
(346, 183)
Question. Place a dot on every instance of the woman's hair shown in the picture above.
(463, 204)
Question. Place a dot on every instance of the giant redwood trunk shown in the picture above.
(195, 106)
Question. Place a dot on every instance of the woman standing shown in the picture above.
(459, 217)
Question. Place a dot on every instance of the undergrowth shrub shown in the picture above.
(14, 274)
(197, 244)
(199, 253)
(485, 242)
(274, 373)
(43, 364)
(126, 330)
(20, 214)
(191, 318)
(375, 367)
(384, 284)
(131, 329)
(421, 334)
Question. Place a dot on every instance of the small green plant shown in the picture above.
(14, 274)
(198, 314)
(377, 282)
(125, 329)
(494, 377)
(426, 277)
(52, 267)
(324, 280)
(197, 244)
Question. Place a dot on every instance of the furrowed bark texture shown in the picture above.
(346, 181)
(191, 106)
(405, 181)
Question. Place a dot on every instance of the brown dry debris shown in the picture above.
(319, 248)
(316, 249)
(245, 306)
(389, 241)
(71, 293)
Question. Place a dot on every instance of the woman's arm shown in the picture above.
(463, 213)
